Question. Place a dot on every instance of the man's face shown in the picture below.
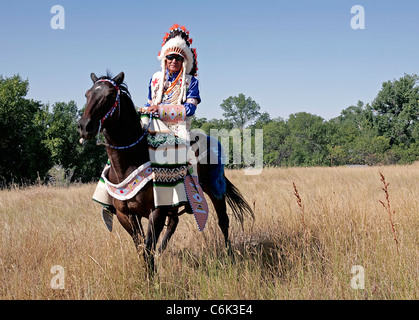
(174, 62)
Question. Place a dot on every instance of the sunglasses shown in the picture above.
(174, 56)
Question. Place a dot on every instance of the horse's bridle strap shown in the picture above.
(116, 104)
(110, 113)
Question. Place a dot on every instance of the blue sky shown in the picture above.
(289, 56)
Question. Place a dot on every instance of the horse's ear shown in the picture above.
(93, 77)
(119, 78)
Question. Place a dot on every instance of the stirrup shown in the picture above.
(107, 217)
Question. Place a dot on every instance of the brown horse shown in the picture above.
(112, 112)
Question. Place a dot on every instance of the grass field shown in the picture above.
(288, 252)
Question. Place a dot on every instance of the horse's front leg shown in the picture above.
(138, 232)
(171, 228)
(155, 227)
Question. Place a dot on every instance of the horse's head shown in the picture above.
(102, 100)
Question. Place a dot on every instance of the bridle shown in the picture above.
(117, 104)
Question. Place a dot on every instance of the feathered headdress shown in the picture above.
(177, 41)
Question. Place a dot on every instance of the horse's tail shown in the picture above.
(237, 203)
(221, 186)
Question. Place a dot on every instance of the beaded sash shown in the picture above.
(128, 188)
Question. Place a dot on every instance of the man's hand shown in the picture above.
(153, 109)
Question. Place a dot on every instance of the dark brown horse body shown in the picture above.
(122, 128)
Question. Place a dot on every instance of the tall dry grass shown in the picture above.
(276, 256)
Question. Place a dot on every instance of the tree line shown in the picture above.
(384, 131)
(39, 142)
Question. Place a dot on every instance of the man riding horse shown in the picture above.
(152, 171)
(173, 88)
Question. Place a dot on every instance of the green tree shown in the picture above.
(83, 163)
(216, 124)
(306, 139)
(396, 109)
(275, 152)
(23, 156)
(240, 110)
(349, 135)
(262, 119)
(61, 135)
(198, 122)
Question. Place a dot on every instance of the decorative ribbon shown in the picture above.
(128, 188)
(196, 200)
